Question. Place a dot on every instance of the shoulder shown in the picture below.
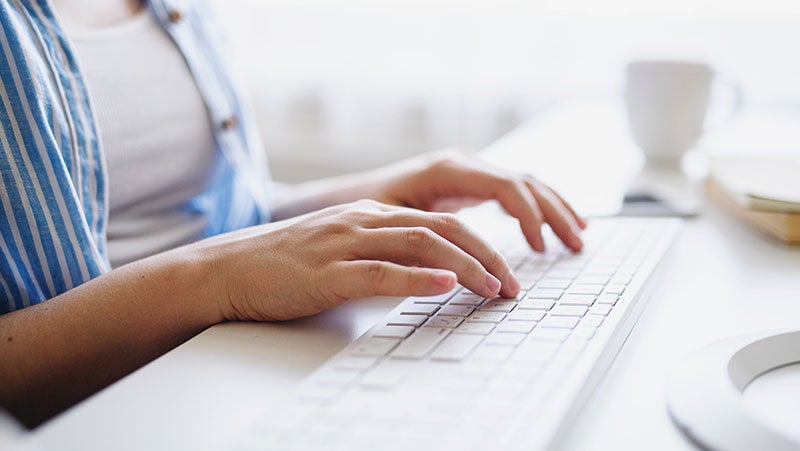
(51, 175)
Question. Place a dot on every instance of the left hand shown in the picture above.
(450, 180)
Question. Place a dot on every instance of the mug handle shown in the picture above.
(737, 96)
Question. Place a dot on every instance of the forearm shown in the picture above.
(318, 194)
(62, 350)
(312, 196)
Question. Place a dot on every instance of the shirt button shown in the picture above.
(175, 16)
(229, 123)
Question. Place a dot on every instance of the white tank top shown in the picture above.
(155, 133)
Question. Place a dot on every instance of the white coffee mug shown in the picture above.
(667, 103)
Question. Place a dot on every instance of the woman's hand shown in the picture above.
(449, 180)
(317, 261)
(368, 248)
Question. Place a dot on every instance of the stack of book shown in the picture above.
(764, 192)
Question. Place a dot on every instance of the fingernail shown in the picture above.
(443, 277)
(540, 243)
(577, 242)
(513, 283)
(492, 284)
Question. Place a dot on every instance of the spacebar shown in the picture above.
(420, 343)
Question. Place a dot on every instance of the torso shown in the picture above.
(83, 14)
(54, 200)
(155, 133)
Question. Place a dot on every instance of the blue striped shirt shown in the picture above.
(53, 187)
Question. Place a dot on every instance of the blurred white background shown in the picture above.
(342, 85)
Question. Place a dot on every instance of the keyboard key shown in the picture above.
(620, 279)
(592, 280)
(561, 322)
(470, 327)
(545, 293)
(625, 273)
(505, 339)
(628, 269)
(585, 289)
(498, 306)
(574, 344)
(355, 363)
(456, 310)
(566, 357)
(381, 380)
(486, 317)
(334, 378)
(419, 309)
(520, 296)
(524, 327)
(456, 347)
(600, 310)
(568, 310)
(577, 299)
(593, 320)
(438, 299)
(407, 320)
(394, 331)
(420, 343)
(374, 346)
(526, 283)
(533, 262)
(444, 321)
(493, 352)
(466, 299)
(544, 333)
(386, 375)
(529, 273)
(563, 273)
(600, 270)
(526, 315)
(609, 261)
(610, 299)
(572, 262)
(583, 332)
(537, 350)
(614, 289)
(316, 392)
(536, 304)
(553, 283)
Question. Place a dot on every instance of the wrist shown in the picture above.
(395, 184)
(191, 275)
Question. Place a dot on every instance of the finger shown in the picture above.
(514, 196)
(371, 205)
(471, 179)
(517, 200)
(456, 231)
(454, 204)
(420, 246)
(556, 214)
(369, 278)
(578, 218)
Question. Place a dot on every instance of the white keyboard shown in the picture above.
(461, 372)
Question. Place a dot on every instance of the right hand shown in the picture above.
(302, 266)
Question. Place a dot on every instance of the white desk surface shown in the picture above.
(720, 279)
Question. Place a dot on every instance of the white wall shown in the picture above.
(341, 85)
